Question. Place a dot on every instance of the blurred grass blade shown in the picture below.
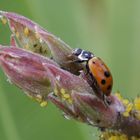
(7, 120)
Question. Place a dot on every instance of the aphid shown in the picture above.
(97, 69)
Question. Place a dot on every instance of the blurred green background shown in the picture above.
(109, 28)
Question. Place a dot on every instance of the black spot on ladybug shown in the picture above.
(103, 81)
(93, 62)
(107, 74)
(109, 87)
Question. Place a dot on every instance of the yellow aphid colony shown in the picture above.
(131, 108)
(114, 135)
(26, 31)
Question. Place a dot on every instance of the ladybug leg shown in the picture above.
(78, 61)
(106, 100)
(109, 101)
(75, 61)
(87, 71)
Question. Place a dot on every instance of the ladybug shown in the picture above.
(98, 71)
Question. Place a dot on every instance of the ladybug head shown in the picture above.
(82, 54)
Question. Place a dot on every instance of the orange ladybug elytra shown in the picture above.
(97, 69)
(102, 74)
